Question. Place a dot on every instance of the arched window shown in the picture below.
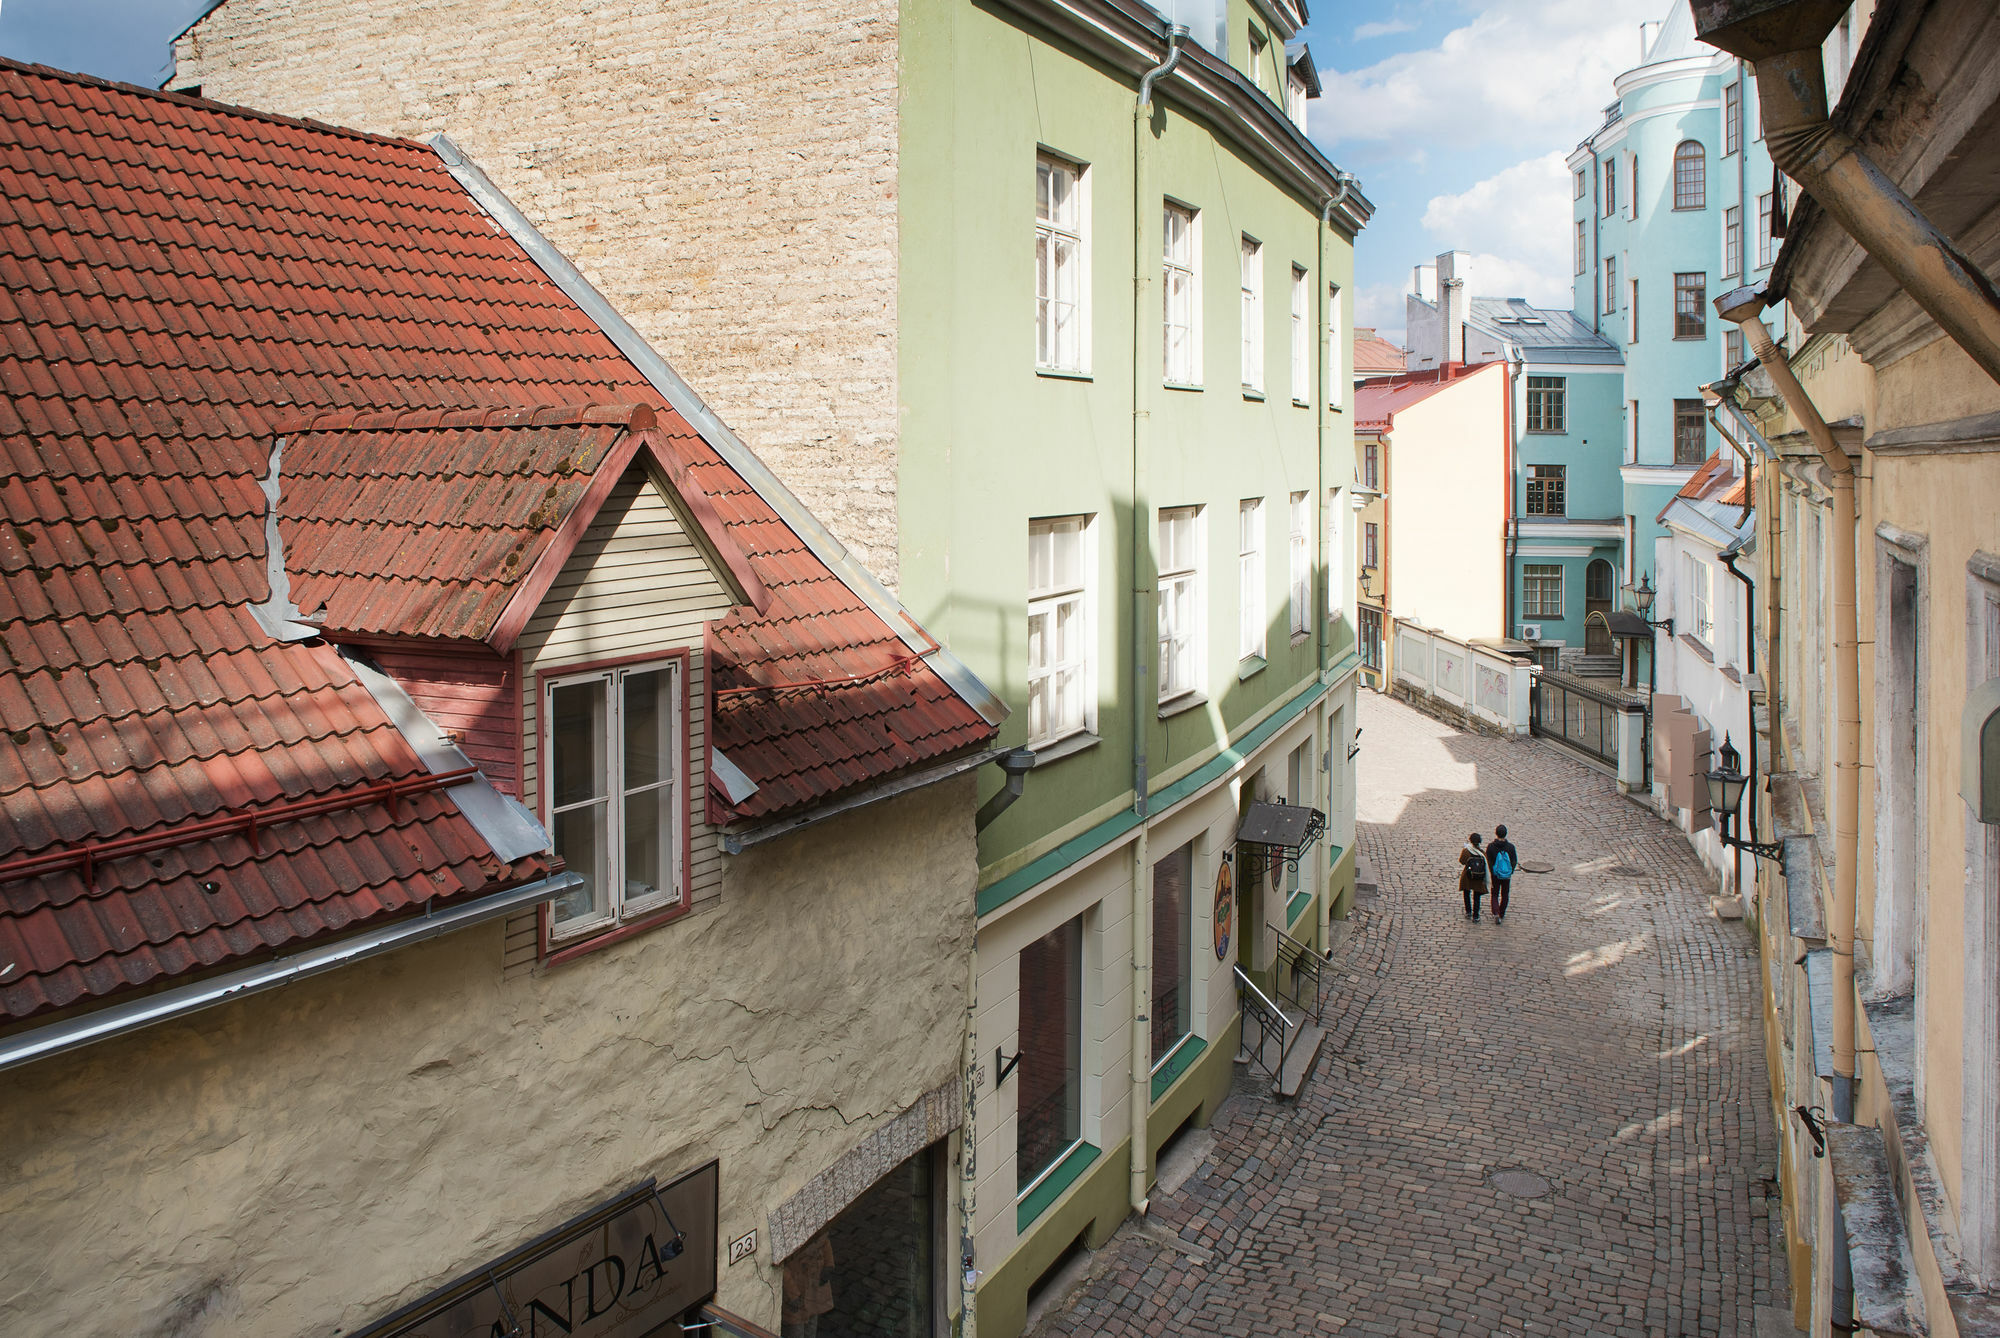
(1690, 176)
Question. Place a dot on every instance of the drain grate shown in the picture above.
(1517, 1183)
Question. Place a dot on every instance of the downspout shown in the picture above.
(1144, 628)
(1336, 365)
(1784, 41)
(1744, 306)
(1750, 650)
(1510, 525)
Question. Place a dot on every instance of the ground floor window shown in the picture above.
(1173, 959)
(1542, 590)
(1371, 638)
(1049, 1120)
(872, 1273)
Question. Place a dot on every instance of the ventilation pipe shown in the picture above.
(1783, 39)
(1745, 306)
(1145, 273)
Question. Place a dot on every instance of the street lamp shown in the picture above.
(1643, 595)
(1725, 796)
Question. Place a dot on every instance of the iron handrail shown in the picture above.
(1303, 962)
(1270, 1019)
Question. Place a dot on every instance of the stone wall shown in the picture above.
(303, 1161)
(726, 176)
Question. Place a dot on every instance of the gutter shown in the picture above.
(662, 377)
(735, 843)
(1784, 40)
(55, 1038)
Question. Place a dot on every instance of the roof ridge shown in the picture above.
(208, 104)
(636, 416)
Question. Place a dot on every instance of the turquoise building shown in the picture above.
(1673, 200)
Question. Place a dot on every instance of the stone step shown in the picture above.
(1299, 1060)
(1365, 882)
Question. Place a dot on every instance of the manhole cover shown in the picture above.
(1536, 866)
(1625, 871)
(1520, 1184)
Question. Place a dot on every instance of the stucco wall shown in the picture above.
(1451, 505)
(728, 182)
(303, 1161)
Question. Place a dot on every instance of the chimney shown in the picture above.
(1454, 306)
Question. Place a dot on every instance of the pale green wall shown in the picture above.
(988, 443)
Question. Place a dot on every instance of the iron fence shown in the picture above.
(1586, 721)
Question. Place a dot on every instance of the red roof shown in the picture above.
(1376, 403)
(179, 281)
(1374, 355)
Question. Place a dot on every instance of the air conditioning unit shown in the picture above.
(1531, 631)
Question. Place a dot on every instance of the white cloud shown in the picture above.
(1523, 70)
(1516, 224)
(1380, 307)
(1385, 28)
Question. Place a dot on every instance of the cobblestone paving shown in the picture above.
(1606, 1038)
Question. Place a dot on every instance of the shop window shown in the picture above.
(874, 1271)
(1049, 1118)
(1173, 958)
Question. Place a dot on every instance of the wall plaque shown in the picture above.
(1225, 908)
(617, 1271)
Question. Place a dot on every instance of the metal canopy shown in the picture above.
(1625, 623)
(1283, 831)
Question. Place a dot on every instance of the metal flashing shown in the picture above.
(714, 431)
(729, 776)
(277, 615)
(1819, 1006)
(1802, 900)
(503, 822)
(735, 843)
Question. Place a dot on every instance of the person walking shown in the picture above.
(1502, 859)
(1472, 875)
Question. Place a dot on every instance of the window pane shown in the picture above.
(1066, 541)
(1173, 901)
(649, 849)
(649, 729)
(1038, 641)
(580, 840)
(576, 736)
(1049, 1117)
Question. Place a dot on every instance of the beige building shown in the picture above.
(477, 851)
(1880, 605)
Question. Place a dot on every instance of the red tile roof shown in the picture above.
(178, 282)
(1374, 355)
(1376, 403)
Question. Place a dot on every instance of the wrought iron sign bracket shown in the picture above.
(1003, 1065)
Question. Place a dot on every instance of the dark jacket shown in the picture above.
(1467, 879)
(1493, 850)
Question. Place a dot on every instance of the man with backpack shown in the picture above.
(1472, 875)
(1503, 859)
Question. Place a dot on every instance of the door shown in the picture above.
(1597, 588)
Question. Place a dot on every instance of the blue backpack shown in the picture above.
(1503, 864)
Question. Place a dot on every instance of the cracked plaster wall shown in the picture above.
(303, 1161)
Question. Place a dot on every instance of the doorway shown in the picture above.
(1597, 598)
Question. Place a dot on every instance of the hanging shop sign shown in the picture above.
(1225, 908)
(620, 1270)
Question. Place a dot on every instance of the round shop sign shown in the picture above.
(1225, 909)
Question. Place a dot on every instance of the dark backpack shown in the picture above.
(1475, 865)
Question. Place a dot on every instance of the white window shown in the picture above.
(1295, 99)
(1060, 259)
(1700, 613)
(1336, 558)
(1061, 696)
(1180, 601)
(1301, 339)
(1179, 292)
(1299, 552)
(611, 755)
(1253, 315)
(1250, 577)
(1258, 46)
(1336, 350)
(1763, 230)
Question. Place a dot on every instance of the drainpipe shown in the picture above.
(1510, 526)
(1145, 631)
(1336, 364)
(1744, 306)
(1784, 40)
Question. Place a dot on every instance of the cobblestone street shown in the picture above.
(1606, 1039)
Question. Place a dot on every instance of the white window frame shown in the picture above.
(1700, 609)
(1295, 98)
(1534, 603)
(1336, 565)
(1298, 551)
(1582, 245)
(1251, 604)
(1182, 620)
(1336, 350)
(1732, 241)
(619, 910)
(1301, 339)
(1764, 230)
(1048, 598)
(1253, 315)
(1610, 284)
(1180, 294)
(1062, 287)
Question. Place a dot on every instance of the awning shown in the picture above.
(1627, 624)
(1283, 831)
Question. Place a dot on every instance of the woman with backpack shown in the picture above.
(1503, 859)
(1472, 875)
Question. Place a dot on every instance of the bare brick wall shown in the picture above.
(725, 175)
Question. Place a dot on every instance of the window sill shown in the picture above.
(1181, 385)
(1176, 1062)
(1300, 636)
(1187, 701)
(1301, 404)
(1067, 746)
(1697, 645)
(569, 950)
(1250, 667)
(1064, 374)
(1069, 1168)
(1252, 393)
(1690, 339)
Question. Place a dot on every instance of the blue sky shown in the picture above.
(1455, 114)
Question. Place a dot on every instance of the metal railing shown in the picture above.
(1275, 1031)
(1585, 720)
(1301, 971)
